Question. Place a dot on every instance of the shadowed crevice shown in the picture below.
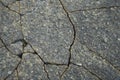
(74, 37)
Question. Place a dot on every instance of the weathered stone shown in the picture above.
(59, 40)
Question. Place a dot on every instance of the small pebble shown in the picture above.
(118, 39)
(79, 64)
(9, 72)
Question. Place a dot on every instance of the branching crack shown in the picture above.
(36, 53)
(25, 43)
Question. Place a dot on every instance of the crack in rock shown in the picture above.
(56, 40)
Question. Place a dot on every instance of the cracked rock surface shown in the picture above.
(59, 40)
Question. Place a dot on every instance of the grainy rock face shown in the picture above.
(59, 39)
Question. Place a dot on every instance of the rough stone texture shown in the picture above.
(59, 40)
